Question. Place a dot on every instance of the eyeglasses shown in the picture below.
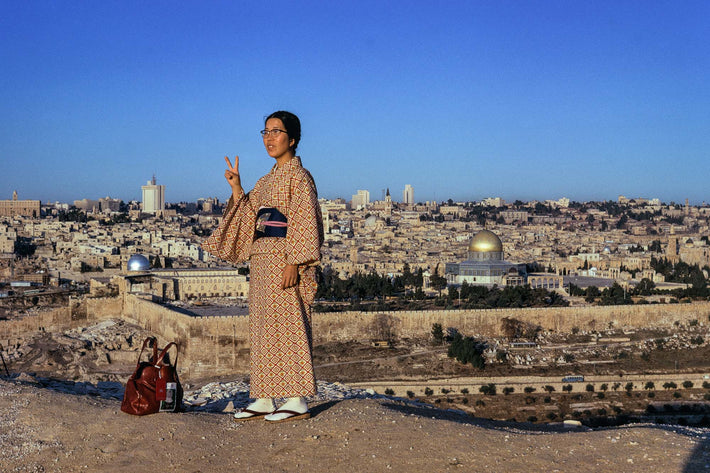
(275, 133)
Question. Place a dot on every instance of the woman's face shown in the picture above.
(277, 145)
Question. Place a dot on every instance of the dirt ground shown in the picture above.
(47, 431)
(44, 430)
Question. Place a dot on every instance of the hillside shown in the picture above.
(47, 430)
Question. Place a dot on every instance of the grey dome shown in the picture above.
(138, 262)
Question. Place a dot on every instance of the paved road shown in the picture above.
(519, 383)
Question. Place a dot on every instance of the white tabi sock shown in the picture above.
(264, 404)
(296, 404)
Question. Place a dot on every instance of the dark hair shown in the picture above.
(291, 123)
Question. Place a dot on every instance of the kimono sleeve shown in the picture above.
(232, 239)
(305, 224)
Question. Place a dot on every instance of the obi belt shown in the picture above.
(270, 223)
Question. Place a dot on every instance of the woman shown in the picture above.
(278, 228)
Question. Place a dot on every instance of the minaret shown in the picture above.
(388, 203)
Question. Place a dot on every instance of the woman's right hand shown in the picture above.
(232, 175)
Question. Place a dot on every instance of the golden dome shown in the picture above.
(485, 241)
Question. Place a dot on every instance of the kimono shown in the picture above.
(281, 360)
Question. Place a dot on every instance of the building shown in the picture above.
(485, 265)
(153, 197)
(196, 283)
(87, 205)
(108, 205)
(182, 284)
(511, 216)
(493, 202)
(360, 200)
(16, 207)
(408, 195)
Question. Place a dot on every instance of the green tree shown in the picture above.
(438, 283)
(437, 334)
(591, 293)
(645, 287)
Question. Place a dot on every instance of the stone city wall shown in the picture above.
(220, 345)
(212, 346)
(411, 324)
(209, 346)
(75, 314)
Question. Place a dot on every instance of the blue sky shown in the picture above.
(461, 99)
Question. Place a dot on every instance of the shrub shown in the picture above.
(508, 390)
(410, 394)
(649, 385)
(445, 391)
(480, 403)
(464, 391)
(547, 399)
(437, 334)
(567, 387)
(590, 388)
(389, 392)
(601, 395)
(604, 387)
(687, 384)
(651, 394)
(629, 387)
(467, 350)
(529, 389)
(428, 391)
(488, 389)
(464, 400)
(549, 389)
(669, 385)
(706, 385)
(532, 419)
(677, 394)
(551, 415)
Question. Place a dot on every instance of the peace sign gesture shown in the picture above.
(232, 175)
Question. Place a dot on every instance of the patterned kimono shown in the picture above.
(279, 320)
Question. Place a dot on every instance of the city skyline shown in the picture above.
(155, 196)
(463, 100)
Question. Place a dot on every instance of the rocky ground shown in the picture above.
(66, 417)
(45, 428)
